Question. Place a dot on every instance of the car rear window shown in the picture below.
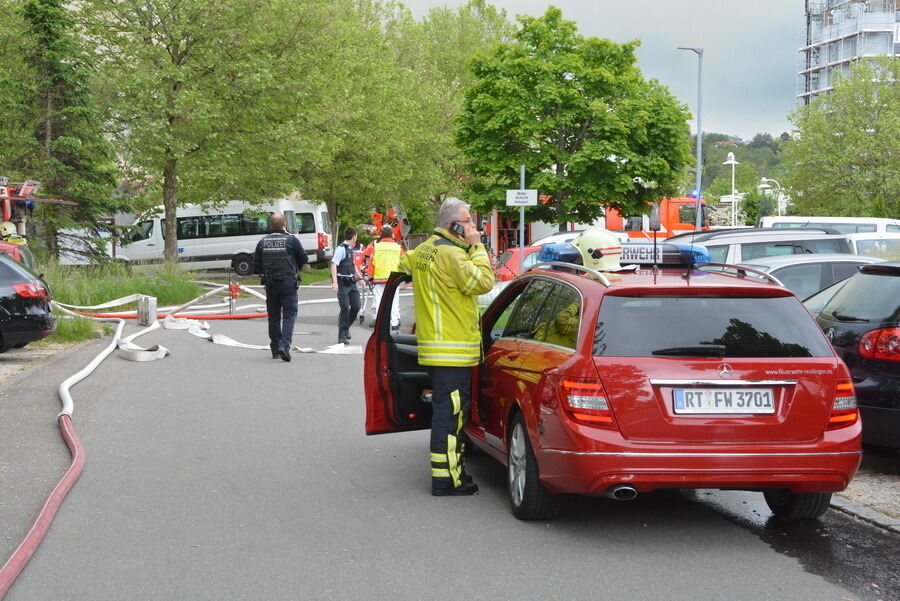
(826, 245)
(866, 297)
(504, 258)
(636, 326)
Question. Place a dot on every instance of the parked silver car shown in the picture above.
(806, 274)
(736, 245)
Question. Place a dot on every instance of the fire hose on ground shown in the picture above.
(181, 317)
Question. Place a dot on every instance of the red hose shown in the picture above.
(185, 316)
(29, 544)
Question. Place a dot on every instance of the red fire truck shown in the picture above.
(676, 216)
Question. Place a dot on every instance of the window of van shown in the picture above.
(892, 228)
(188, 228)
(306, 223)
(143, 231)
(254, 225)
(217, 226)
(326, 223)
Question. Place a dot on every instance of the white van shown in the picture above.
(885, 246)
(845, 225)
(226, 235)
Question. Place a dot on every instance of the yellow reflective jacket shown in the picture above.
(386, 259)
(447, 276)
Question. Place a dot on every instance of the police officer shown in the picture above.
(278, 258)
(344, 274)
(386, 259)
(449, 270)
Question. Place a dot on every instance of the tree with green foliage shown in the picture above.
(579, 115)
(406, 77)
(387, 153)
(451, 38)
(51, 117)
(844, 158)
(755, 205)
(210, 102)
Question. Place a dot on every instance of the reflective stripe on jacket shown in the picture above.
(447, 275)
(386, 260)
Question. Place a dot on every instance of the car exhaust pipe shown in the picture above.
(622, 492)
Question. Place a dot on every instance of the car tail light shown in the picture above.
(323, 241)
(30, 290)
(585, 402)
(844, 411)
(881, 344)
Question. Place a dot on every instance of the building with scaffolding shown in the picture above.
(839, 33)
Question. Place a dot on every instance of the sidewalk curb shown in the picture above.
(866, 514)
(51, 360)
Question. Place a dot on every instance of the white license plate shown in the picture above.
(723, 400)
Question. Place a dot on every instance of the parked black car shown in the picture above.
(862, 320)
(24, 306)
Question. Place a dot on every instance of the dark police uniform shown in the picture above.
(278, 258)
(347, 293)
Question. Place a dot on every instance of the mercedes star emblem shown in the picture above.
(725, 371)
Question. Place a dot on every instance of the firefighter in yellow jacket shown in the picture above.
(385, 259)
(449, 270)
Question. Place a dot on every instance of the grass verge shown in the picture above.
(315, 275)
(93, 285)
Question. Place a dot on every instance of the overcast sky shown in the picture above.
(750, 51)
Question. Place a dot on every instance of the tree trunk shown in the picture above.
(336, 237)
(170, 202)
(48, 126)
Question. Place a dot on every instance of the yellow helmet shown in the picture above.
(600, 249)
(7, 229)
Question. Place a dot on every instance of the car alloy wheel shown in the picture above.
(528, 498)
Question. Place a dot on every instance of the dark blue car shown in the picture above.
(24, 306)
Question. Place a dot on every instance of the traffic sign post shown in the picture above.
(521, 198)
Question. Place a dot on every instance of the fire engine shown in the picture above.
(676, 216)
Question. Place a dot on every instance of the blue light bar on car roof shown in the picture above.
(562, 252)
(635, 253)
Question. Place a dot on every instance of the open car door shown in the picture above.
(395, 383)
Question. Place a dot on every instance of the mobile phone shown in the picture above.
(457, 229)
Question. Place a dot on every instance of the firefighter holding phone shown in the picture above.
(449, 270)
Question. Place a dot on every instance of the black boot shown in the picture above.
(463, 490)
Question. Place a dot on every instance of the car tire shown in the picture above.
(528, 498)
(798, 506)
(242, 264)
(20, 345)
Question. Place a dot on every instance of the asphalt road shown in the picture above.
(219, 473)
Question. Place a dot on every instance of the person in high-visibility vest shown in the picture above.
(9, 233)
(385, 260)
(449, 270)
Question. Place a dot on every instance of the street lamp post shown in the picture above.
(764, 185)
(699, 52)
(730, 161)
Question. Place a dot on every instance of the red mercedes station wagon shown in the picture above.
(622, 383)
